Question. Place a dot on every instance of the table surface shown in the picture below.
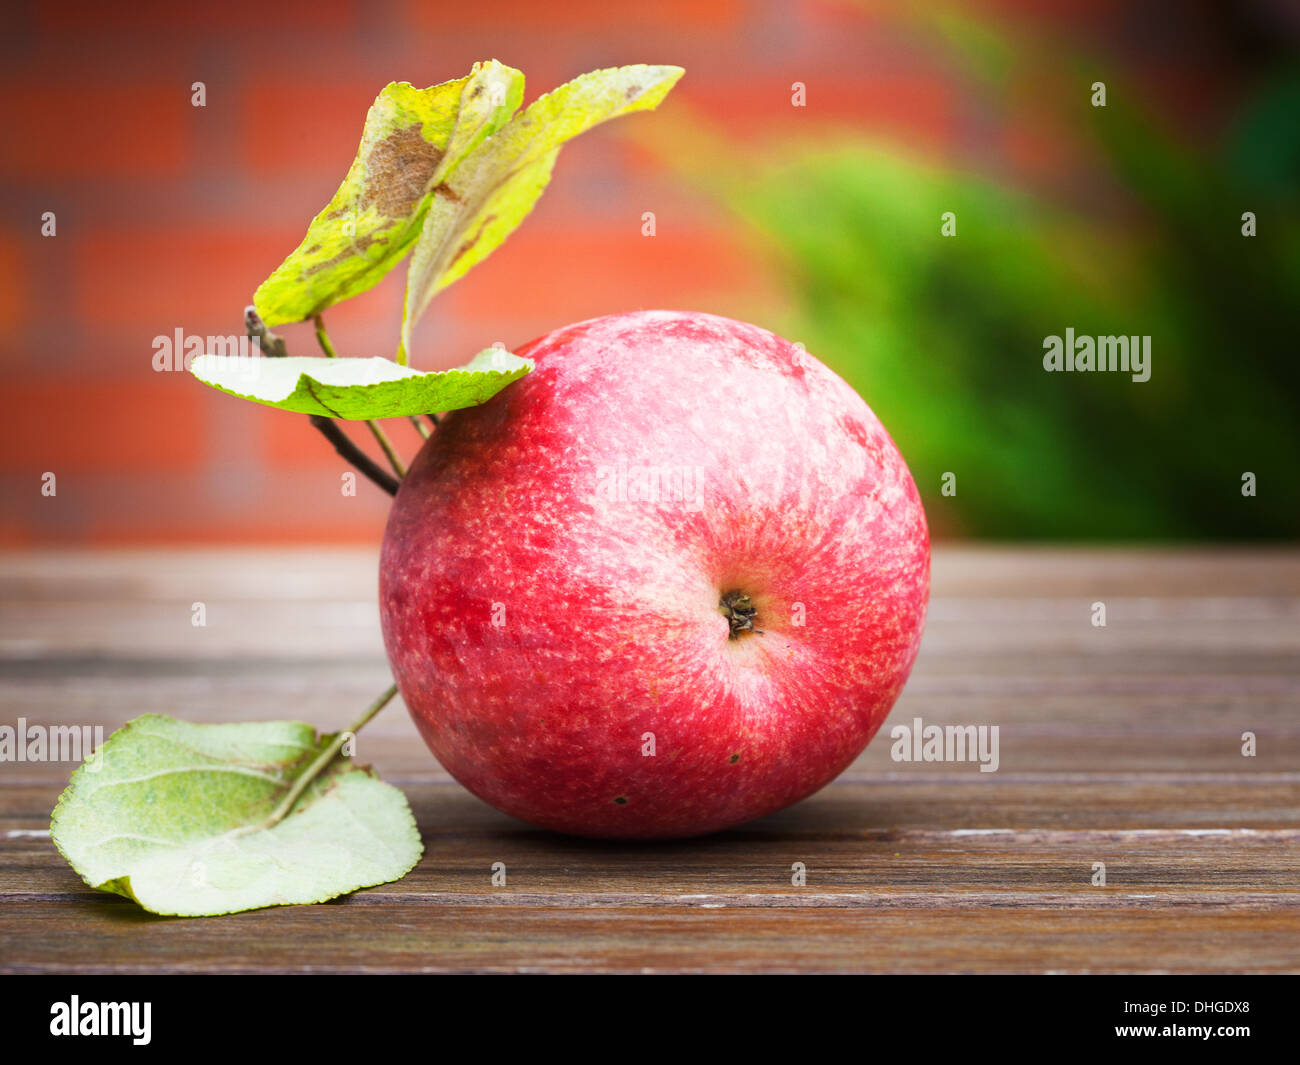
(1119, 744)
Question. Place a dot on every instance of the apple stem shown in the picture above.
(394, 459)
(381, 438)
(739, 611)
(323, 338)
(322, 763)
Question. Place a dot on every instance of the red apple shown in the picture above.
(672, 580)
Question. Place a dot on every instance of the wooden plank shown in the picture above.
(851, 806)
(1105, 732)
(118, 938)
(852, 867)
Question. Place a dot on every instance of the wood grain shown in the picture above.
(1120, 745)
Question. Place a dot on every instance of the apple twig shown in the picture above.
(346, 448)
(273, 346)
(270, 345)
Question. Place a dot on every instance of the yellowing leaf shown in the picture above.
(413, 140)
(497, 185)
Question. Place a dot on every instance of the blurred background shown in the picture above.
(821, 222)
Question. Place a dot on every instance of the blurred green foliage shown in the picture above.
(943, 336)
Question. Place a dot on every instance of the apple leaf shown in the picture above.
(173, 815)
(413, 140)
(360, 389)
(497, 184)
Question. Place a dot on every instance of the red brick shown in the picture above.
(302, 531)
(292, 127)
(164, 278)
(238, 504)
(243, 19)
(573, 274)
(358, 521)
(849, 17)
(917, 109)
(586, 15)
(152, 422)
(14, 535)
(13, 288)
(289, 442)
(95, 131)
(366, 325)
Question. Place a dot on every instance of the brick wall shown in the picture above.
(168, 215)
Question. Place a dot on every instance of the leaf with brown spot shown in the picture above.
(414, 140)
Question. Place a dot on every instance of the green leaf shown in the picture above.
(171, 815)
(413, 140)
(360, 389)
(496, 186)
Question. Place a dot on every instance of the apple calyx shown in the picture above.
(740, 612)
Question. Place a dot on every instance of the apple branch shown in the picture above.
(273, 346)
(353, 454)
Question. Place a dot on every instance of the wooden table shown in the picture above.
(1119, 744)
